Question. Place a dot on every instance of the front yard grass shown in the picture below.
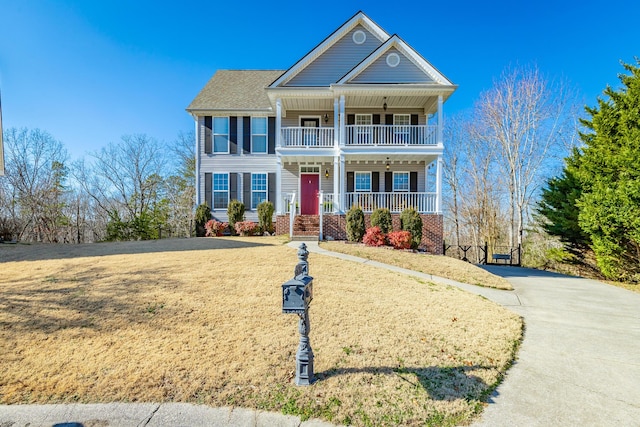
(199, 320)
(436, 265)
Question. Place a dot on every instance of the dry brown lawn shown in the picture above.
(199, 320)
(436, 265)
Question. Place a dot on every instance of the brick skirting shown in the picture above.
(334, 226)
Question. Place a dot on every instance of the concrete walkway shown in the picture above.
(579, 364)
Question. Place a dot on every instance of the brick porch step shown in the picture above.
(305, 226)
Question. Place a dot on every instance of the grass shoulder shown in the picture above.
(436, 265)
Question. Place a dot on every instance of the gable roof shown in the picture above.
(235, 90)
(358, 19)
(393, 44)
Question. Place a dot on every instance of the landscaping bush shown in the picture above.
(400, 239)
(381, 217)
(374, 237)
(203, 214)
(355, 224)
(235, 213)
(215, 228)
(265, 216)
(246, 228)
(410, 221)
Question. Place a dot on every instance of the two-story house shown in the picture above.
(357, 121)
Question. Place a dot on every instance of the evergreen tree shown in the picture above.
(609, 175)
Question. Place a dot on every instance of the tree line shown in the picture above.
(137, 188)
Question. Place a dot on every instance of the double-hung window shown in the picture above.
(258, 189)
(221, 134)
(258, 134)
(401, 128)
(363, 128)
(220, 190)
(401, 181)
(362, 182)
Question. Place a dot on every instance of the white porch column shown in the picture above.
(278, 122)
(342, 122)
(279, 186)
(343, 185)
(337, 206)
(439, 165)
(336, 122)
(440, 120)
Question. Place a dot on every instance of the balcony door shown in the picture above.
(310, 130)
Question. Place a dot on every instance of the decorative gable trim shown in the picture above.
(410, 53)
(358, 19)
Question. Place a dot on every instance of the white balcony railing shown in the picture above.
(395, 202)
(391, 135)
(304, 137)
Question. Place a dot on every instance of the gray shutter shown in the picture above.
(414, 120)
(246, 135)
(376, 131)
(233, 186)
(376, 119)
(350, 182)
(208, 181)
(271, 195)
(271, 135)
(413, 182)
(388, 182)
(351, 119)
(375, 182)
(208, 125)
(414, 131)
(388, 119)
(233, 135)
(246, 191)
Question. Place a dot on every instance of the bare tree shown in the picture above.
(180, 187)
(35, 174)
(525, 116)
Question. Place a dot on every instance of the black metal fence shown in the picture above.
(484, 254)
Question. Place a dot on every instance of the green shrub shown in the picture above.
(381, 217)
(265, 216)
(355, 224)
(411, 221)
(203, 214)
(235, 213)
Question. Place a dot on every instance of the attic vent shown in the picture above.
(359, 37)
(393, 59)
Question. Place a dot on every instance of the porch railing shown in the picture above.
(395, 202)
(391, 135)
(328, 203)
(304, 137)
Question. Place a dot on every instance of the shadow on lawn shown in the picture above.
(44, 251)
(447, 383)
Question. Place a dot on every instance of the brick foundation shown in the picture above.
(334, 226)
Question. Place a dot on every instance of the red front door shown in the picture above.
(309, 186)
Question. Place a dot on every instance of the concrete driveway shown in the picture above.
(579, 364)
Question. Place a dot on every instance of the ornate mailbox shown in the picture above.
(297, 293)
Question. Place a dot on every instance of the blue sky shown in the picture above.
(91, 71)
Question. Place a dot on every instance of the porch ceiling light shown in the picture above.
(384, 104)
(326, 173)
(326, 118)
(387, 163)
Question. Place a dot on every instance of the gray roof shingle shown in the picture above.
(236, 90)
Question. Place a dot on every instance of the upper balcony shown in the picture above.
(361, 135)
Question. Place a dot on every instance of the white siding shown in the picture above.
(337, 61)
(380, 72)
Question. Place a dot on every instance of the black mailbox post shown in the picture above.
(297, 293)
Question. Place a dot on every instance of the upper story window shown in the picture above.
(401, 181)
(258, 189)
(401, 129)
(220, 134)
(362, 181)
(258, 134)
(220, 190)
